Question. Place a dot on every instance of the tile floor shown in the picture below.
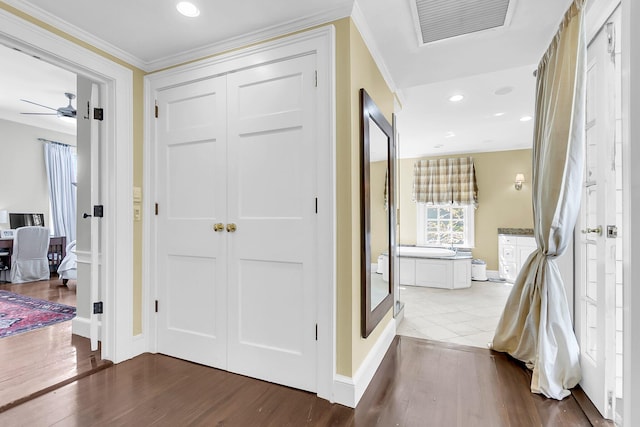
(461, 316)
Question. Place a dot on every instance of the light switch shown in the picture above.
(137, 194)
(137, 212)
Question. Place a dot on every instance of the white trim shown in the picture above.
(631, 205)
(117, 82)
(320, 41)
(493, 274)
(82, 326)
(261, 35)
(72, 30)
(348, 391)
(597, 14)
(361, 24)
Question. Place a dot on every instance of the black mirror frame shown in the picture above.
(369, 111)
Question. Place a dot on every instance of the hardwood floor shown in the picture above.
(32, 363)
(420, 383)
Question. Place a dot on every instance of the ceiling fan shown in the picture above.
(67, 112)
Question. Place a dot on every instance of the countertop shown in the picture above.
(516, 231)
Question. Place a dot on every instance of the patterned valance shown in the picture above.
(445, 181)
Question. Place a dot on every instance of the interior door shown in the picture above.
(272, 190)
(595, 311)
(89, 195)
(191, 213)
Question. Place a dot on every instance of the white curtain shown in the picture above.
(60, 161)
(536, 326)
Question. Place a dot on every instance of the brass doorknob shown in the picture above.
(218, 226)
(231, 227)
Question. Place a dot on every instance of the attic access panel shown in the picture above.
(443, 19)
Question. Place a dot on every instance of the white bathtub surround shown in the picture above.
(434, 267)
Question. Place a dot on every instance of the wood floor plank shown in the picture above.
(419, 383)
(39, 359)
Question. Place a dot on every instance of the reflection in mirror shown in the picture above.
(377, 213)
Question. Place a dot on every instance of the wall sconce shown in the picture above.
(519, 181)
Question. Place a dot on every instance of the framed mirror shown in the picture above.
(377, 212)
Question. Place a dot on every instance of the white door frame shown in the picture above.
(320, 42)
(631, 205)
(117, 175)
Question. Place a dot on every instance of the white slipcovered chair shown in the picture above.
(29, 262)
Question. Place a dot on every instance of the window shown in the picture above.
(445, 225)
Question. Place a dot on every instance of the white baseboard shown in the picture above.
(348, 391)
(139, 345)
(82, 326)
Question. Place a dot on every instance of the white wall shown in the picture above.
(23, 182)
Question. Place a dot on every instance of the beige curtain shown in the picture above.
(536, 326)
(445, 181)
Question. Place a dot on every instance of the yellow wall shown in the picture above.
(138, 88)
(364, 74)
(499, 203)
(355, 68)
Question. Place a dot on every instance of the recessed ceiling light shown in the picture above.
(456, 98)
(438, 146)
(498, 114)
(450, 135)
(504, 90)
(525, 118)
(188, 9)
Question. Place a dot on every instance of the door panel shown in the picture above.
(192, 256)
(272, 193)
(595, 270)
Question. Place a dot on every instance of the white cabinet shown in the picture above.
(513, 251)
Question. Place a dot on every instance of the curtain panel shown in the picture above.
(445, 181)
(60, 162)
(536, 325)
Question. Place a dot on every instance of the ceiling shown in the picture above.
(423, 75)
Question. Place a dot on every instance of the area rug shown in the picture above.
(19, 313)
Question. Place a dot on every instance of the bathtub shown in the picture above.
(433, 267)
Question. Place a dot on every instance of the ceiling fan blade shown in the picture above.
(35, 103)
(42, 114)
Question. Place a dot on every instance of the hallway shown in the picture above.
(420, 383)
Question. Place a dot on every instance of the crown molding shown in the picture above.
(250, 38)
(367, 35)
(72, 30)
(189, 55)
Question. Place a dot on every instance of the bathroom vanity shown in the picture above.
(514, 247)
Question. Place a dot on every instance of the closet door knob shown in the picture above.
(231, 228)
(218, 227)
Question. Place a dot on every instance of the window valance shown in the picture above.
(445, 181)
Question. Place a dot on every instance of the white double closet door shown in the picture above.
(239, 150)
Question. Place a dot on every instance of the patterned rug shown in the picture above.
(19, 313)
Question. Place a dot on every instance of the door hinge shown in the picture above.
(156, 209)
(316, 82)
(316, 205)
(98, 211)
(98, 307)
(316, 332)
(156, 307)
(98, 114)
(156, 110)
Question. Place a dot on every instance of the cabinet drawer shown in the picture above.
(508, 254)
(504, 239)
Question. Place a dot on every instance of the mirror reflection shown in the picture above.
(379, 210)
